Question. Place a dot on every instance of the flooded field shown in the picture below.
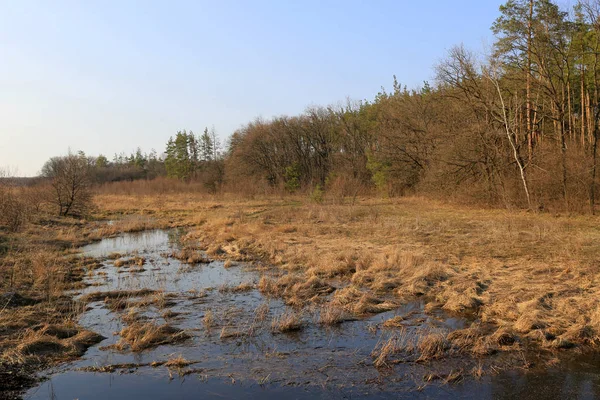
(201, 328)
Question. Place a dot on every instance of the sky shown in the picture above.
(109, 76)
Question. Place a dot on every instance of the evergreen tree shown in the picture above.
(178, 162)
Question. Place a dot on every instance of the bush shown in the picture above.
(70, 180)
(317, 194)
(292, 178)
(12, 210)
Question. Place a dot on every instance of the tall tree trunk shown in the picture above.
(582, 103)
(570, 119)
(529, 130)
(563, 158)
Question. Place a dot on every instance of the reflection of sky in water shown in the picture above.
(312, 363)
(154, 241)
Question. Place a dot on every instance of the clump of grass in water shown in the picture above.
(432, 346)
(382, 353)
(117, 304)
(59, 342)
(208, 319)
(178, 362)
(262, 312)
(397, 343)
(394, 322)
(190, 256)
(454, 376)
(140, 336)
(478, 371)
(228, 332)
(360, 303)
(286, 322)
(332, 315)
(137, 260)
(242, 287)
(116, 294)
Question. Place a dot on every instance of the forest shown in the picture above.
(515, 128)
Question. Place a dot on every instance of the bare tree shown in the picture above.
(70, 182)
(510, 134)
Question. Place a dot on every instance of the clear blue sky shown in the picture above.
(108, 76)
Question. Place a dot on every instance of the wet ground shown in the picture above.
(250, 361)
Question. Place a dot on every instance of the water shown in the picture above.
(315, 362)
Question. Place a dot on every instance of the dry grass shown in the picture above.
(332, 314)
(384, 352)
(242, 287)
(37, 268)
(190, 255)
(261, 313)
(177, 362)
(54, 342)
(295, 290)
(228, 332)
(209, 319)
(132, 223)
(360, 302)
(116, 295)
(533, 274)
(136, 260)
(287, 322)
(40, 345)
(432, 346)
(140, 336)
(394, 322)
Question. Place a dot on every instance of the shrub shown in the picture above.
(70, 183)
(292, 178)
(12, 210)
(317, 194)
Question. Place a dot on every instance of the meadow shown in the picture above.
(525, 283)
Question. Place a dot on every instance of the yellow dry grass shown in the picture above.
(140, 336)
(332, 314)
(177, 362)
(208, 319)
(286, 322)
(528, 273)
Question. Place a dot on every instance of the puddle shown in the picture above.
(315, 362)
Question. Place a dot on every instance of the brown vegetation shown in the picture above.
(526, 279)
(37, 265)
(208, 319)
(332, 314)
(521, 272)
(178, 362)
(140, 336)
(286, 322)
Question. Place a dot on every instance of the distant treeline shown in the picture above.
(517, 128)
(187, 157)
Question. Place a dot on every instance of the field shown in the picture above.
(523, 283)
(534, 276)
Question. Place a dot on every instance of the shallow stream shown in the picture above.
(314, 362)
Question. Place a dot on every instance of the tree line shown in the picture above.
(515, 128)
